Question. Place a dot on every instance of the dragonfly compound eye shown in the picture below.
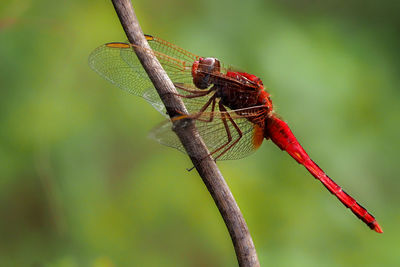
(202, 71)
(210, 64)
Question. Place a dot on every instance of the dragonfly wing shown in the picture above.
(118, 63)
(177, 62)
(108, 62)
(193, 105)
(215, 134)
(151, 96)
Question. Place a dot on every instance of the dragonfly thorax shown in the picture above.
(202, 71)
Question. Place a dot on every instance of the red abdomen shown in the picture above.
(279, 132)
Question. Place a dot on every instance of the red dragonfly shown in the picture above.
(232, 110)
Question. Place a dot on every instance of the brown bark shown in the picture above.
(192, 142)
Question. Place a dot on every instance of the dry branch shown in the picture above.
(192, 142)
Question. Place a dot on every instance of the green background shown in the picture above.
(82, 185)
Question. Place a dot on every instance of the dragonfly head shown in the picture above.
(202, 70)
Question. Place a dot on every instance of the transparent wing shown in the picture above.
(215, 133)
(118, 63)
(107, 61)
(177, 62)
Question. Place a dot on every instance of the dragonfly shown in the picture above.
(232, 109)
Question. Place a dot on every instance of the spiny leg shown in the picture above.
(196, 116)
(211, 100)
(223, 109)
(193, 93)
(228, 133)
(177, 85)
(224, 115)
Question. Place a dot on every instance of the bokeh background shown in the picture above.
(82, 185)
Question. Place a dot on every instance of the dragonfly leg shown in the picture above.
(224, 116)
(223, 109)
(179, 86)
(211, 118)
(196, 116)
(193, 93)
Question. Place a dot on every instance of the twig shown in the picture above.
(192, 142)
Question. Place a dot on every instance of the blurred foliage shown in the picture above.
(81, 185)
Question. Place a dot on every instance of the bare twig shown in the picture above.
(192, 142)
